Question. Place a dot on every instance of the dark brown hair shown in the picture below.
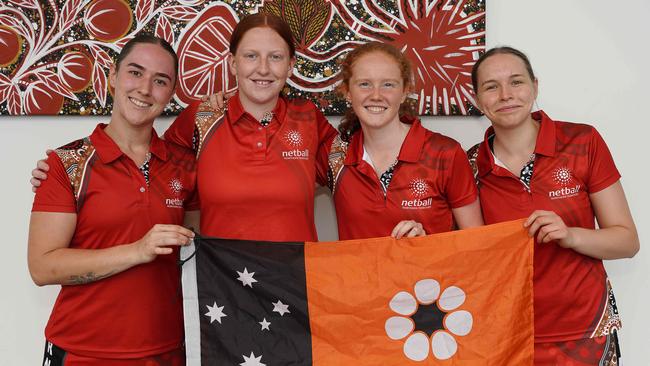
(501, 50)
(261, 20)
(350, 122)
(146, 38)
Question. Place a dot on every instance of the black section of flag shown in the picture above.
(279, 275)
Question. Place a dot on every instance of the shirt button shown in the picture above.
(259, 128)
(259, 144)
(142, 189)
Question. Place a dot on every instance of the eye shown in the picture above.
(490, 87)
(250, 56)
(390, 84)
(364, 84)
(135, 72)
(161, 82)
(277, 57)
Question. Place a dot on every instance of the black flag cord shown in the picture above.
(197, 243)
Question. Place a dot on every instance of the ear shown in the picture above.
(112, 75)
(292, 63)
(535, 86)
(231, 64)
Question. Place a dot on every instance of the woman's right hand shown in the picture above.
(160, 239)
(218, 100)
(40, 172)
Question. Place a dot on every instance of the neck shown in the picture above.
(518, 141)
(132, 141)
(255, 109)
(384, 144)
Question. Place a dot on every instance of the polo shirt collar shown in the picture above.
(544, 145)
(409, 152)
(108, 151)
(236, 110)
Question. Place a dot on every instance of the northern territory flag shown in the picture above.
(457, 298)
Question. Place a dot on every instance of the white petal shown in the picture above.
(427, 291)
(451, 298)
(398, 327)
(459, 322)
(403, 303)
(443, 345)
(416, 347)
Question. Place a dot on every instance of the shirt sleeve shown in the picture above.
(461, 187)
(181, 131)
(55, 193)
(326, 134)
(602, 169)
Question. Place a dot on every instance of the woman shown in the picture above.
(106, 221)
(258, 159)
(561, 176)
(389, 175)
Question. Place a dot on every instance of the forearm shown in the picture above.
(607, 243)
(67, 266)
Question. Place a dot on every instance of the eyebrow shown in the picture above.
(140, 67)
(494, 81)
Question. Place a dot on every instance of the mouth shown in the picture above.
(375, 108)
(509, 108)
(139, 103)
(261, 82)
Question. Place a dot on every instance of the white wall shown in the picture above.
(591, 58)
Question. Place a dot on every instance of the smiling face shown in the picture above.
(144, 83)
(505, 90)
(376, 89)
(262, 64)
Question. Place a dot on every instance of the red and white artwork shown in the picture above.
(55, 55)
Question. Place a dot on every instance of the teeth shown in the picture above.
(139, 103)
(262, 82)
(376, 109)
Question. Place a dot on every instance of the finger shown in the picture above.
(415, 231)
(405, 228)
(35, 183)
(229, 95)
(42, 165)
(163, 250)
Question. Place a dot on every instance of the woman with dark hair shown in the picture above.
(105, 223)
(389, 175)
(561, 176)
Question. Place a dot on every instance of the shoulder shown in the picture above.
(573, 129)
(440, 141)
(75, 152)
(301, 105)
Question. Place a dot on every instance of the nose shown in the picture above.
(145, 86)
(263, 67)
(376, 92)
(505, 93)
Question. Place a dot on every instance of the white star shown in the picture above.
(280, 308)
(215, 312)
(252, 360)
(246, 278)
(265, 324)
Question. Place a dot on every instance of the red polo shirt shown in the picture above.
(138, 312)
(432, 176)
(572, 299)
(255, 182)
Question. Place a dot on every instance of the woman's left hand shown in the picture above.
(408, 228)
(549, 226)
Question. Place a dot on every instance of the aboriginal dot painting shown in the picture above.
(55, 55)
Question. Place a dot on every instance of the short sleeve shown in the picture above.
(326, 134)
(55, 193)
(181, 131)
(602, 169)
(461, 186)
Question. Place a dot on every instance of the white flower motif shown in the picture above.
(443, 342)
(176, 185)
(562, 176)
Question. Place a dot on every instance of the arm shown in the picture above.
(615, 238)
(469, 215)
(51, 261)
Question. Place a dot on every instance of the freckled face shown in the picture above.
(376, 90)
(144, 84)
(262, 64)
(505, 92)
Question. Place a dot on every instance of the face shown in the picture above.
(262, 65)
(376, 90)
(505, 92)
(144, 84)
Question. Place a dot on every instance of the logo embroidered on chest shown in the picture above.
(176, 187)
(564, 178)
(293, 139)
(419, 189)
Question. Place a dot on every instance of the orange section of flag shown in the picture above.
(457, 298)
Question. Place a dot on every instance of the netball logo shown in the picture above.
(293, 139)
(176, 187)
(419, 190)
(563, 177)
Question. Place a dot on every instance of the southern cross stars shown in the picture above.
(252, 360)
(215, 312)
(280, 308)
(246, 278)
(265, 324)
